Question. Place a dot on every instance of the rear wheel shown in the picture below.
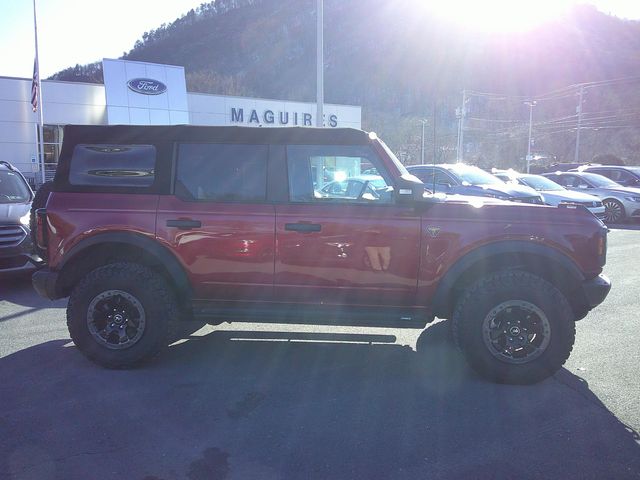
(120, 314)
(613, 211)
(514, 327)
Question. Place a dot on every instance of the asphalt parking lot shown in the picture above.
(245, 402)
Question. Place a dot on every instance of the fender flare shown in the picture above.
(442, 296)
(166, 258)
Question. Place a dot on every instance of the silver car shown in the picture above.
(620, 203)
(553, 193)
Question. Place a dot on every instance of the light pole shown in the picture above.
(463, 114)
(579, 112)
(424, 122)
(530, 104)
(319, 68)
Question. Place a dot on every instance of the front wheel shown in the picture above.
(613, 211)
(514, 327)
(120, 314)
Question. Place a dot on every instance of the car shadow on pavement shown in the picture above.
(245, 405)
(624, 226)
(18, 290)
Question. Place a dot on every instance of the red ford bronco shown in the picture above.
(150, 226)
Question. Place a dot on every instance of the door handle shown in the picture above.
(184, 224)
(303, 227)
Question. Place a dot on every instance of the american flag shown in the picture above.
(34, 87)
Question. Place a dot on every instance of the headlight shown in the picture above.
(633, 199)
(24, 220)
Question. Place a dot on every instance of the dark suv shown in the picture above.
(625, 176)
(149, 227)
(469, 180)
(16, 247)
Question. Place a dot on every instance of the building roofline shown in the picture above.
(67, 82)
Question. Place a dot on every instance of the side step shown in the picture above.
(314, 315)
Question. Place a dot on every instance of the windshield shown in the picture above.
(474, 175)
(13, 188)
(540, 183)
(401, 167)
(600, 181)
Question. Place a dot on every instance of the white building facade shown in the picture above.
(135, 93)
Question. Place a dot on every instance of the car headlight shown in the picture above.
(633, 199)
(24, 220)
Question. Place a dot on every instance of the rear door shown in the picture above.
(218, 221)
(353, 248)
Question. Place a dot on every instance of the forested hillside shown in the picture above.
(403, 66)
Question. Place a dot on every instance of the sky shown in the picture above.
(74, 32)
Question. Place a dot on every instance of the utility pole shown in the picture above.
(320, 67)
(423, 121)
(434, 131)
(463, 113)
(530, 104)
(579, 112)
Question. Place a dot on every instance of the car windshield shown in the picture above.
(474, 175)
(394, 159)
(600, 181)
(13, 188)
(540, 183)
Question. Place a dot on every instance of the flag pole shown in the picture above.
(39, 140)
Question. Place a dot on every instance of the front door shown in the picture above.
(218, 221)
(341, 239)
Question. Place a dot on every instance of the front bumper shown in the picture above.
(44, 282)
(18, 258)
(599, 212)
(596, 290)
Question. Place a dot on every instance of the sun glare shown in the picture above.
(499, 16)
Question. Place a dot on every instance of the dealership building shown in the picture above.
(135, 93)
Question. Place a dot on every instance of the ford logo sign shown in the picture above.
(147, 86)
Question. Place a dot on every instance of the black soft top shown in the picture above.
(164, 138)
(129, 134)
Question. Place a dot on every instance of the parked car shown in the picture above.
(620, 203)
(554, 193)
(227, 226)
(468, 180)
(369, 187)
(625, 176)
(16, 247)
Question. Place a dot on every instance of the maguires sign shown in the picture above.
(146, 86)
(269, 117)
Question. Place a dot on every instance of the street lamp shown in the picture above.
(319, 65)
(530, 104)
(424, 122)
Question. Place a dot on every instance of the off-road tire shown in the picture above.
(39, 201)
(152, 292)
(475, 305)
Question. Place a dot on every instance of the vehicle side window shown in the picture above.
(620, 176)
(566, 180)
(605, 172)
(330, 173)
(580, 183)
(222, 173)
(441, 178)
(113, 165)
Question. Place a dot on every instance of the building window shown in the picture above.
(52, 136)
